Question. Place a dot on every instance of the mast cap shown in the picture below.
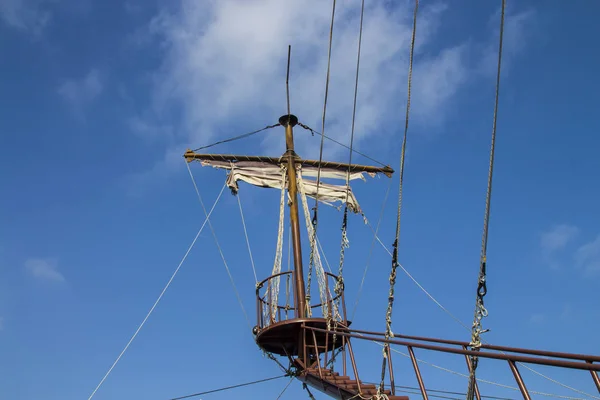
(288, 118)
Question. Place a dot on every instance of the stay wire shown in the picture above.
(308, 128)
(247, 238)
(245, 135)
(139, 328)
(480, 310)
(324, 116)
(227, 388)
(285, 388)
(375, 238)
(214, 235)
(339, 285)
(362, 13)
(392, 278)
(467, 328)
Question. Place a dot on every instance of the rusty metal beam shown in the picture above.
(543, 353)
(595, 378)
(520, 383)
(415, 364)
(485, 354)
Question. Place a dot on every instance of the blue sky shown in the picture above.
(101, 99)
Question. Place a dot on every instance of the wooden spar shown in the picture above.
(288, 121)
(192, 156)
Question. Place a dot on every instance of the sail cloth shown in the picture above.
(269, 175)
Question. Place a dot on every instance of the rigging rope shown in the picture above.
(273, 289)
(308, 128)
(388, 318)
(246, 236)
(289, 275)
(375, 237)
(237, 137)
(285, 388)
(480, 380)
(268, 354)
(339, 286)
(480, 310)
(228, 388)
(214, 235)
(159, 296)
(320, 273)
(316, 208)
(324, 255)
(324, 111)
(467, 328)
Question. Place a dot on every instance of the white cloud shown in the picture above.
(558, 237)
(79, 92)
(44, 269)
(553, 241)
(587, 257)
(518, 30)
(25, 15)
(224, 62)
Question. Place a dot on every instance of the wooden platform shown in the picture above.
(341, 387)
(283, 338)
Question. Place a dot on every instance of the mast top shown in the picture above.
(291, 119)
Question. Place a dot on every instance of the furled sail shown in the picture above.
(265, 174)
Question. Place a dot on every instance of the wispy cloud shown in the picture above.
(537, 318)
(567, 311)
(225, 61)
(30, 16)
(557, 238)
(80, 92)
(44, 269)
(587, 257)
(147, 130)
(554, 241)
(583, 256)
(519, 28)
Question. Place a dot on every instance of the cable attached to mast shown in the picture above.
(392, 278)
(340, 282)
(316, 208)
(324, 114)
(480, 310)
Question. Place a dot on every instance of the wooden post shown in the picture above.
(288, 122)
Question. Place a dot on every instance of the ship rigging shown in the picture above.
(312, 340)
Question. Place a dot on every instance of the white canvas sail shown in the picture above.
(263, 174)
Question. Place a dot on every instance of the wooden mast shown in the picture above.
(288, 122)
